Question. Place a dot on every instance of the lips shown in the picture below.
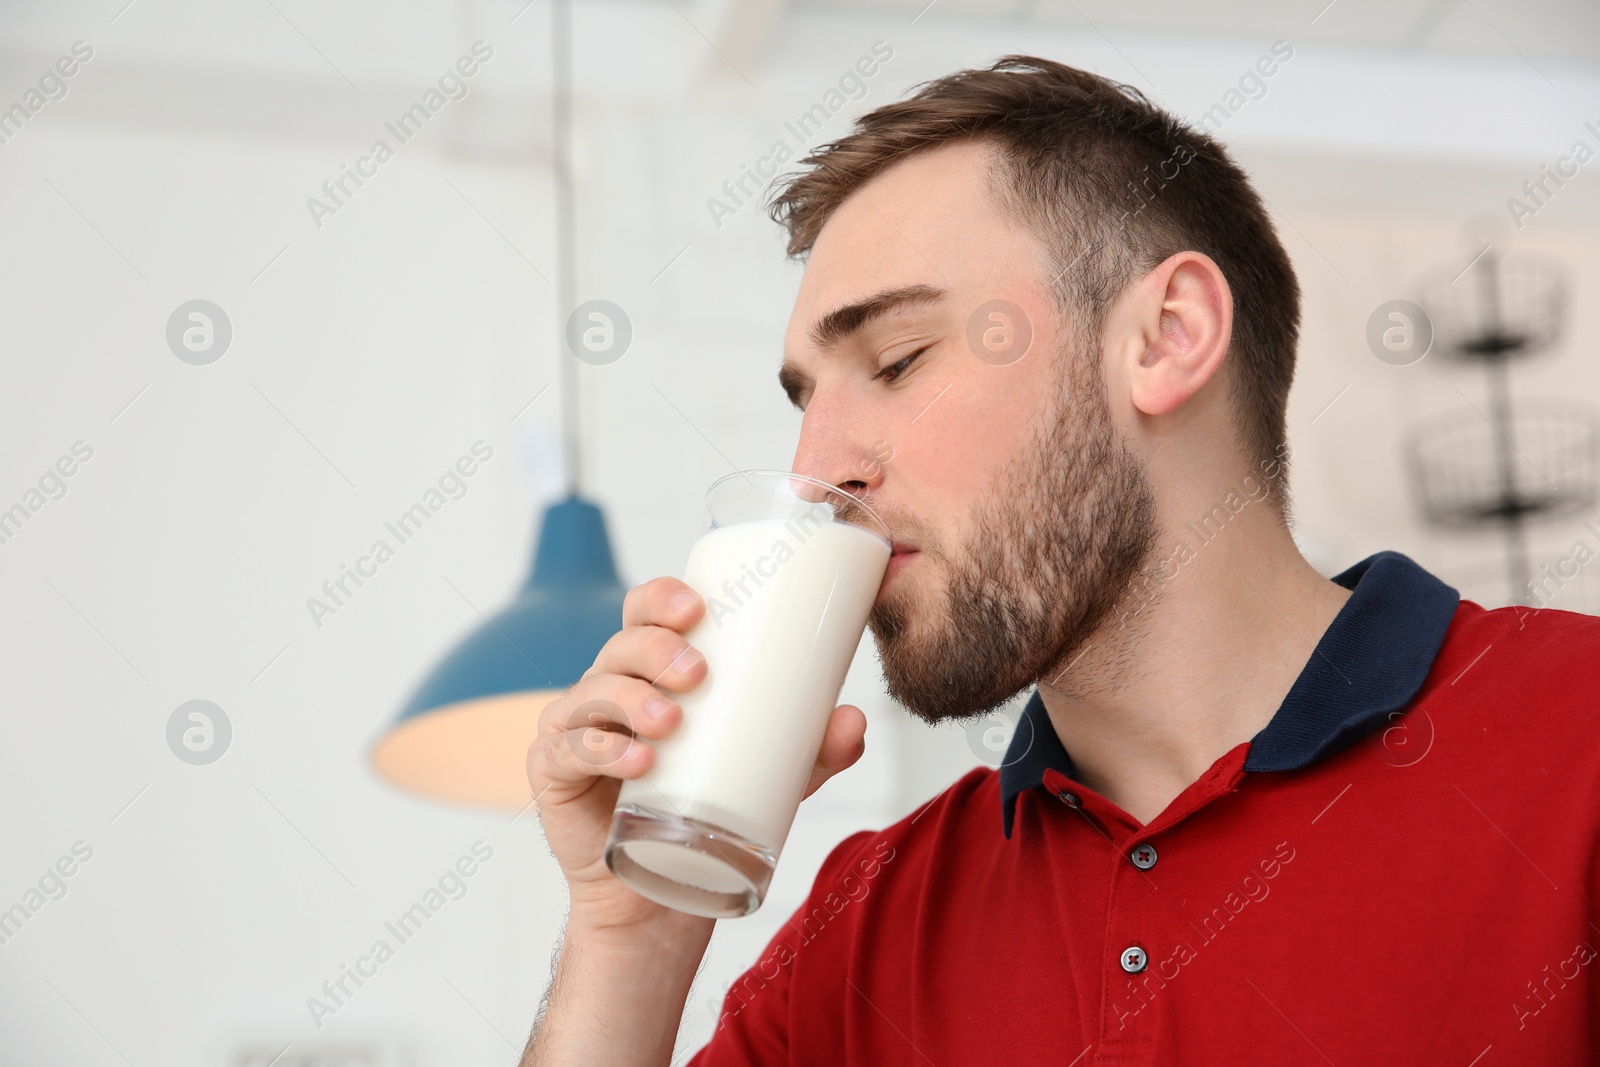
(899, 559)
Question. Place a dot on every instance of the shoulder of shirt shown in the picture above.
(973, 796)
(1529, 670)
(1534, 639)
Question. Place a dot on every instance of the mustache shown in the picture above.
(906, 533)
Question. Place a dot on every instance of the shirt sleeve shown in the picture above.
(753, 1026)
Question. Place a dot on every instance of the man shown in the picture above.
(1250, 815)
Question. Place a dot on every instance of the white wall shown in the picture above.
(379, 347)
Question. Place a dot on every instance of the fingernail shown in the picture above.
(657, 707)
(683, 601)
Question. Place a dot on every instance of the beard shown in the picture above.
(1049, 557)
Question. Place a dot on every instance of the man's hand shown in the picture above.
(598, 733)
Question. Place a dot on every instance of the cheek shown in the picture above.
(958, 449)
(983, 421)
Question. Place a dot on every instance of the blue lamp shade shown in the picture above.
(465, 734)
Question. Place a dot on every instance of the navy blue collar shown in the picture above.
(1371, 661)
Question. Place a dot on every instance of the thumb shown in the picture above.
(842, 744)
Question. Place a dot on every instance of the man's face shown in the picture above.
(1018, 513)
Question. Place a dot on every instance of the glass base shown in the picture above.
(687, 865)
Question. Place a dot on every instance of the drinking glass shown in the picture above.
(788, 568)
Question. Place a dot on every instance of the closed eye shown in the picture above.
(894, 370)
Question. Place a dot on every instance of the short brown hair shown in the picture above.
(1113, 185)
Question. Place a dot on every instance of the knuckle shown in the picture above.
(581, 741)
(544, 761)
(663, 647)
(616, 641)
(538, 765)
(598, 711)
(552, 714)
(633, 600)
(636, 602)
(594, 749)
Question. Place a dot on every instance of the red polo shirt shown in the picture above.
(1400, 868)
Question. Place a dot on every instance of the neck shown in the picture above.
(1196, 659)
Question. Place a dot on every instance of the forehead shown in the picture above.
(928, 220)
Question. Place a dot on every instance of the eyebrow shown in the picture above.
(841, 322)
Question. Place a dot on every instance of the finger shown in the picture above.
(565, 763)
(614, 701)
(842, 744)
(664, 601)
(658, 655)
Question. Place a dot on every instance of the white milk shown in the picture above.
(777, 645)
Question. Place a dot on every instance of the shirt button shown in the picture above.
(1069, 799)
(1133, 959)
(1143, 856)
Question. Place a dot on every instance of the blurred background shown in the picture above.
(354, 345)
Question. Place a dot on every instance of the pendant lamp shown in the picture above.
(464, 735)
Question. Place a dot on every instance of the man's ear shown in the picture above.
(1178, 323)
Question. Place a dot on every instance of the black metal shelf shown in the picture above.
(1512, 464)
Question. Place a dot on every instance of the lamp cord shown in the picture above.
(566, 250)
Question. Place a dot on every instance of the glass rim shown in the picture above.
(819, 483)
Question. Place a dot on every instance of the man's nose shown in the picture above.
(836, 449)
